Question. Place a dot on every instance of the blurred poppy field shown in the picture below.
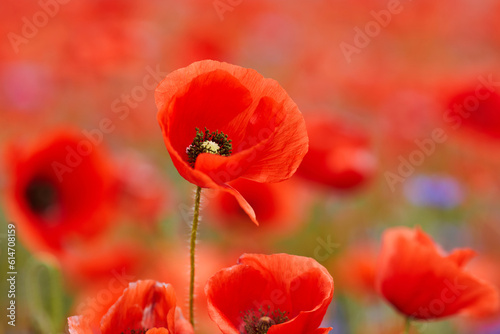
(345, 154)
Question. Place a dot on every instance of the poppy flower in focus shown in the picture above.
(423, 283)
(272, 294)
(339, 155)
(280, 207)
(61, 188)
(221, 122)
(144, 307)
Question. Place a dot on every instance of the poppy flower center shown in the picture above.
(259, 322)
(41, 196)
(208, 142)
(135, 331)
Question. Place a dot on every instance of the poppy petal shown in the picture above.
(158, 331)
(296, 286)
(78, 325)
(421, 283)
(143, 305)
(242, 201)
(285, 147)
(461, 256)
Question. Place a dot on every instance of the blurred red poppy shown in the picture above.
(94, 265)
(476, 109)
(486, 267)
(421, 282)
(62, 189)
(339, 156)
(272, 294)
(222, 122)
(144, 307)
(355, 270)
(280, 208)
(144, 194)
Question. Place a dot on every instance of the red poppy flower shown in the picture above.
(222, 122)
(61, 188)
(339, 156)
(272, 294)
(422, 283)
(144, 307)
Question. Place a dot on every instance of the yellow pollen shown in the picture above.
(209, 146)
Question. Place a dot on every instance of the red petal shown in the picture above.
(182, 325)
(421, 283)
(158, 331)
(226, 300)
(213, 100)
(243, 203)
(293, 284)
(80, 325)
(144, 304)
(461, 256)
(280, 154)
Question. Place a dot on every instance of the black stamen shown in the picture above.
(135, 331)
(41, 196)
(260, 322)
(196, 147)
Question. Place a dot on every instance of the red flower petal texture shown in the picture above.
(422, 283)
(144, 307)
(294, 291)
(340, 155)
(61, 188)
(268, 133)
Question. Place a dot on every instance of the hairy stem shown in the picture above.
(192, 248)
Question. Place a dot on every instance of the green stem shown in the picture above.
(47, 309)
(194, 232)
(35, 301)
(407, 325)
(57, 297)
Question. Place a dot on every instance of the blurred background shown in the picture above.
(401, 100)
